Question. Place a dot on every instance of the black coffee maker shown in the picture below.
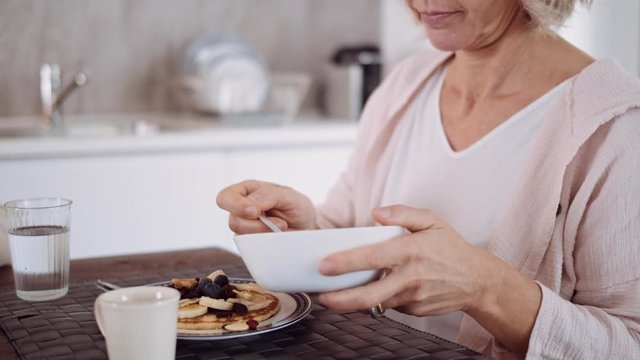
(368, 58)
(355, 72)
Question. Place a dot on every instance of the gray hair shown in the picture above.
(548, 14)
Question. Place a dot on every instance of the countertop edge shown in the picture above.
(309, 133)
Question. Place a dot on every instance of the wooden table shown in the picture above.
(123, 266)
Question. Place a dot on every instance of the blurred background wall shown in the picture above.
(131, 48)
(610, 28)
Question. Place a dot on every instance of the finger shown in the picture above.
(234, 199)
(412, 219)
(424, 308)
(246, 226)
(401, 301)
(363, 297)
(380, 255)
(273, 196)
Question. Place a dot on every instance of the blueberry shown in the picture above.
(227, 291)
(212, 290)
(221, 280)
(239, 309)
(183, 293)
(223, 313)
(203, 282)
(189, 293)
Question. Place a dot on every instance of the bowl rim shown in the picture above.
(329, 230)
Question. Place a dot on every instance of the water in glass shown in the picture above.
(40, 261)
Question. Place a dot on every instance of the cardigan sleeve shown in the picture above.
(601, 320)
(606, 329)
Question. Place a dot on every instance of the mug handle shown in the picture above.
(98, 315)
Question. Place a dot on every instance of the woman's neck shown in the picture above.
(521, 57)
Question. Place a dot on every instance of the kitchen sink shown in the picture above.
(100, 126)
(12, 131)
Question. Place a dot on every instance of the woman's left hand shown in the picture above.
(430, 271)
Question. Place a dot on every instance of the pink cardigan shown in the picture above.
(573, 224)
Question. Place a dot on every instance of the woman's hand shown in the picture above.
(246, 200)
(434, 271)
(430, 271)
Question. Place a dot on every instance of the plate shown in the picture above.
(223, 75)
(293, 308)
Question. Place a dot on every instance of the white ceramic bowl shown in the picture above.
(288, 261)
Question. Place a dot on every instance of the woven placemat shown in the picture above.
(66, 329)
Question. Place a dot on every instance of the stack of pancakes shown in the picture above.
(239, 308)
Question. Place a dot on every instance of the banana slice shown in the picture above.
(246, 295)
(184, 283)
(185, 302)
(250, 296)
(242, 294)
(215, 303)
(257, 302)
(258, 305)
(191, 311)
(249, 287)
(213, 275)
(236, 326)
(240, 301)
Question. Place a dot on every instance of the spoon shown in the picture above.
(265, 220)
(106, 286)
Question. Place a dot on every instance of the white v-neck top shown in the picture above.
(468, 188)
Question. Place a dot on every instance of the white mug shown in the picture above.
(139, 322)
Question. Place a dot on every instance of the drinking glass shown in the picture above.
(39, 242)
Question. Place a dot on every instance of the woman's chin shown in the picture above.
(445, 46)
(446, 41)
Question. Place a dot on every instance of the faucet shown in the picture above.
(52, 95)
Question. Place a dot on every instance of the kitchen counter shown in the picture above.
(156, 191)
(207, 135)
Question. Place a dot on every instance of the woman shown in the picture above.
(516, 160)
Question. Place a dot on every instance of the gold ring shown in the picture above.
(376, 311)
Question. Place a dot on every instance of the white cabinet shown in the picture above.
(165, 200)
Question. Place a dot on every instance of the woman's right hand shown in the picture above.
(245, 201)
